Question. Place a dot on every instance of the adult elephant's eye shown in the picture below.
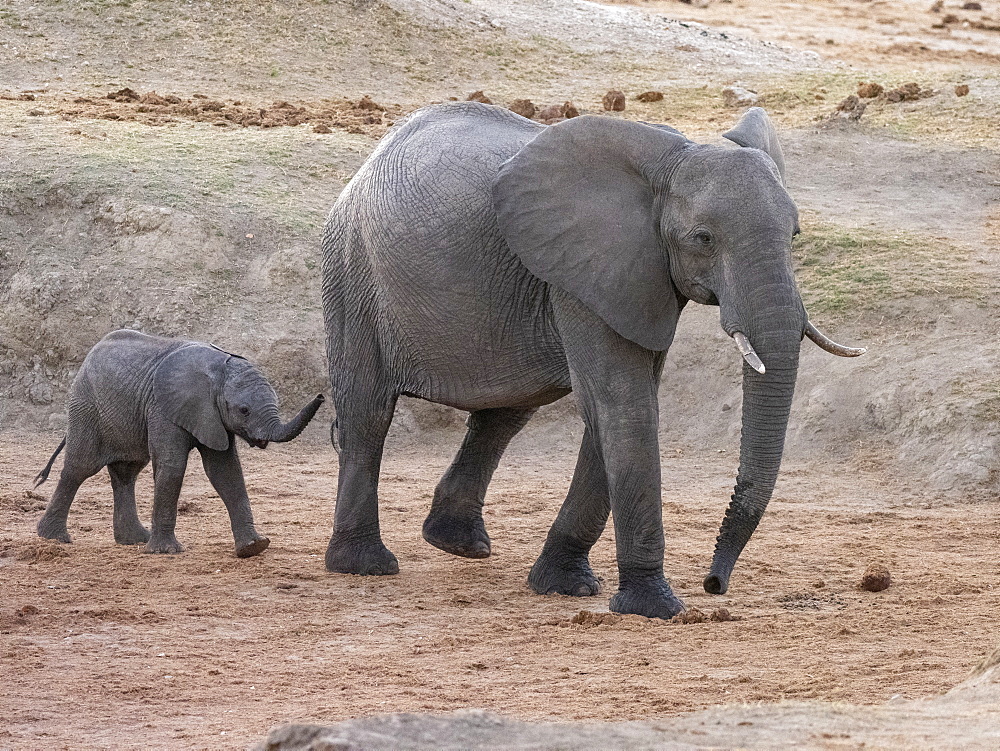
(702, 237)
(244, 411)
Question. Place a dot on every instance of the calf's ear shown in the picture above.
(186, 386)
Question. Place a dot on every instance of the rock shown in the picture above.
(650, 96)
(962, 89)
(479, 96)
(614, 101)
(908, 92)
(737, 96)
(869, 90)
(852, 108)
(40, 393)
(875, 579)
(523, 107)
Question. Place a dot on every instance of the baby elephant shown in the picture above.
(140, 397)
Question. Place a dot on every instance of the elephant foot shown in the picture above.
(465, 537)
(53, 529)
(163, 545)
(256, 545)
(651, 597)
(571, 575)
(132, 535)
(365, 556)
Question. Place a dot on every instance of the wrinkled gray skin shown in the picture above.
(490, 263)
(139, 398)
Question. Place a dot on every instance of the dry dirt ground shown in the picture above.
(106, 646)
(167, 207)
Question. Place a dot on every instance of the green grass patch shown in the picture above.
(844, 271)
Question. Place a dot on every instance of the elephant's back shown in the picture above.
(112, 390)
(414, 247)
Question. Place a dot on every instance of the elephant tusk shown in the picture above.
(825, 342)
(746, 349)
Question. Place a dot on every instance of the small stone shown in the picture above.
(972, 6)
(869, 90)
(479, 96)
(523, 107)
(650, 96)
(962, 89)
(936, 7)
(614, 101)
(737, 96)
(876, 578)
(321, 128)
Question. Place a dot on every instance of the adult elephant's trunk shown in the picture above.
(774, 326)
(280, 432)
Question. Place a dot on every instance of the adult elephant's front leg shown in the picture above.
(616, 382)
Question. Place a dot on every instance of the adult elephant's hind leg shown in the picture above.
(564, 566)
(455, 522)
(128, 528)
(356, 545)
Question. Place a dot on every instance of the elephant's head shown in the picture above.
(212, 394)
(635, 220)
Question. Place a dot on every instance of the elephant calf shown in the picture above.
(139, 398)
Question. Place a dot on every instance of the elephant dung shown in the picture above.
(869, 90)
(614, 101)
(876, 578)
(523, 107)
(479, 96)
(650, 96)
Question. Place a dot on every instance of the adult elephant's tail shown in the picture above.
(44, 474)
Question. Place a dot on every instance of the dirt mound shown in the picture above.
(363, 116)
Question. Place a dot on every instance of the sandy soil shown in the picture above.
(211, 232)
(208, 650)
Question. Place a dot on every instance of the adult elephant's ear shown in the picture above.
(578, 205)
(756, 131)
(186, 386)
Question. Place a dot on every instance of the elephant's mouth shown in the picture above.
(256, 443)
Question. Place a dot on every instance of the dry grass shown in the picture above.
(853, 271)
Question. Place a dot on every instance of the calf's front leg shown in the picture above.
(226, 475)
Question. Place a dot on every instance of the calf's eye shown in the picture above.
(244, 411)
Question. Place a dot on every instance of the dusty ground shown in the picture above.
(205, 649)
(188, 218)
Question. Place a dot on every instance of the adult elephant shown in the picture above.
(484, 261)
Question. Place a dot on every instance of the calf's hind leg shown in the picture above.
(52, 525)
(128, 528)
(455, 522)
